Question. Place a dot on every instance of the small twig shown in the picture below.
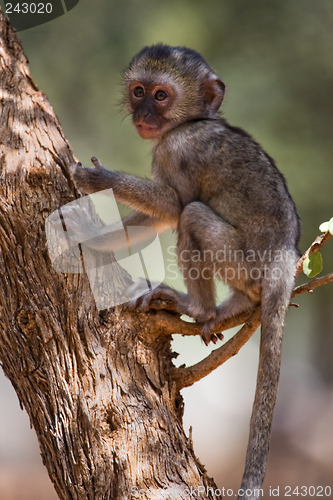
(311, 285)
(169, 324)
(186, 376)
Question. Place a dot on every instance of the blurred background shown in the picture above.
(275, 57)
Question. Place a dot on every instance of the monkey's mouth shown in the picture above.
(144, 126)
(147, 131)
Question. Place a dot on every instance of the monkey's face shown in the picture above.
(167, 86)
(151, 105)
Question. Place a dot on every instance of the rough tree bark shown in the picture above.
(98, 387)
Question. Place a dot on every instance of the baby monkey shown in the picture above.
(228, 202)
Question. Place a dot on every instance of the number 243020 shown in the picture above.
(308, 491)
(29, 8)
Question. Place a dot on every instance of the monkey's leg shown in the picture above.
(198, 273)
(196, 264)
(201, 235)
(208, 236)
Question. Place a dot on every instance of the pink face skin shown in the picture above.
(149, 103)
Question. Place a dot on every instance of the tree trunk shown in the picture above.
(98, 387)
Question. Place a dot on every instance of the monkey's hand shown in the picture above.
(90, 180)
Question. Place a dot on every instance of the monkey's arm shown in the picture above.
(153, 199)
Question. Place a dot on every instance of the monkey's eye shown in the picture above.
(161, 95)
(138, 92)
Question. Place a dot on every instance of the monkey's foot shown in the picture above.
(207, 336)
(142, 299)
(209, 327)
(237, 303)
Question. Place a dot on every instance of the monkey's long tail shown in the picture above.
(275, 300)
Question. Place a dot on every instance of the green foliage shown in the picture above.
(327, 226)
(313, 264)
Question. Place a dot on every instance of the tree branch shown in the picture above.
(169, 324)
(311, 285)
(186, 376)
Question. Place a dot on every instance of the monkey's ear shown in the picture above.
(214, 90)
